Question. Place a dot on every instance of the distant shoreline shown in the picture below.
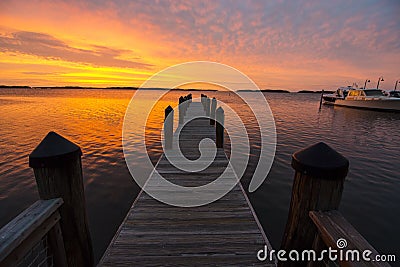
(97, 88)
(266, 90)
(136, 88)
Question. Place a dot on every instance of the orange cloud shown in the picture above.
(48, 47)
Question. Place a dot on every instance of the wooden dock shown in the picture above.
(225, 232)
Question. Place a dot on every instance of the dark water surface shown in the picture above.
(93, 119)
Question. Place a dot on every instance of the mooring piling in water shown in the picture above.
(320, 100)
(57, 166)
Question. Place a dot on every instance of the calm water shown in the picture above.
(93, 119)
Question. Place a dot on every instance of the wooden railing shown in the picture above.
(336, 232)
(54, 230)
(34, 237)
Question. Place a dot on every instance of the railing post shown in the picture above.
(168, 127)
(57, 165)
(219, 129)
(212, 112)
(318, 185)
(208, 107)
(181, 110)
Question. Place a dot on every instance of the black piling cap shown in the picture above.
(181, 99)
(168, 110)
(53, 151)
(321, 161)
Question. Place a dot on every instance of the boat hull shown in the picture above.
(329, 99)
(384, 105)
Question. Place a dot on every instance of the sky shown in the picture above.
(290, 45)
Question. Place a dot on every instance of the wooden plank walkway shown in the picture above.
(225, 232)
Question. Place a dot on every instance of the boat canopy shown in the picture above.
(368, 92)
(373, 92)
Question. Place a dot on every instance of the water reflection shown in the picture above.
(93, 119)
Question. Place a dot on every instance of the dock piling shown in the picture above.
(203, 101)
(207, 106)
(185, 104)
(320, 100)
(219, 129)
(181, 110)
(168, 127)
(57, 166)
(317, 186)
(212, 111)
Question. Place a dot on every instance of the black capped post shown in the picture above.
(219, 129)
(57, 165)
(181, 110)
(207, 108)
(185, 105)
(168, 127)
(203, 100)
(212, 111)
(317, 186)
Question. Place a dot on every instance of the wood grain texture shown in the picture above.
(29, 227)
(332, 226)
(65, 180)
(225, 232)
(308, 193)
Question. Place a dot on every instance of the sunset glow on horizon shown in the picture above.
(290, 45)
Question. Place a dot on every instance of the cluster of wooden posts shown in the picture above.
(215, 115)
(60, 216)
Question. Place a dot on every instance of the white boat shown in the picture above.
(340, 93)
(394, 93)
(374, 99)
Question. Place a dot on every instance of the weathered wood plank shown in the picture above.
(17, 230)
(56, 245)
(332, 226)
